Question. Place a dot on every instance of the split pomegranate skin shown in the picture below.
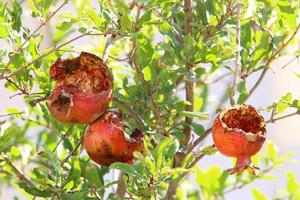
(105, 142)
(239, 132)
(82, 91)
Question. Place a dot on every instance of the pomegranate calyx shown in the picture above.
(243, 163)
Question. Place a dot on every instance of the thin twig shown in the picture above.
(198, 158)
(10, 114)
(237, 187)
(238, 55)
(54, 49)
(272, 119)
(62, 137)
(132, 112)
(19, 173)
(287, 64)
(121, 189)
(200, 139)
(38, 100)
(23, 91)
(73, 151)
(107, 47)
(221, 77)
(267, 65)
(43, 24)
(118, 59)
(37, 29)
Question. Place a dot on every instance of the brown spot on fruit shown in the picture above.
(82, 91)
(105, 142)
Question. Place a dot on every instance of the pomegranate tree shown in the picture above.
(239, 132)
(82, 91)
(105, 142)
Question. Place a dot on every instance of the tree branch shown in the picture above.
(18, 173)
(267, 65)
(36, 30)
(238, 55)
(272, 119)
(201, 138)
(289, 62)
(38, 100)
(54, 49)
(73, 151)
(61, 139)
(121, 189)
(140, 76)
(10, 114)
(237, 187)
(189, 96)
(189, 85)
(65, 2)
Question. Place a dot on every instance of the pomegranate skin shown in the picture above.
(105, 142)
(233, 143)
(82, 91)
(86, 106)
(239, 132)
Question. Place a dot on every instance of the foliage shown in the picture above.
(152, 55)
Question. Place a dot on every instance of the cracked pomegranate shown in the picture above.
(82, 91)
(239, 132)
(105, 142)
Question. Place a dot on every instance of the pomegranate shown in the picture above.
(82, 91)
(105, 142)
(239, 132)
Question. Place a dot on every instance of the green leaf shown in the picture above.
(258, 195)
(243, 92)
(75, 195)
(125, 168)
(34, 191)
(288, 97)
(272, 151)
(198, 129)
(147, 73)
(12, 110)
(145, 18)
(165, 151)
(40, 7)
(209, 150)
(281, 107)
(4, 31)
(199, 115)
(53, 160)
(188, 159)
(15, 152)
(126, 22)
(91, 174)
(209, 180)
(98, 21)
(16, 15)
(65, 25)
(293, 186)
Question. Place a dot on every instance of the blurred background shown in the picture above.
(284, 133)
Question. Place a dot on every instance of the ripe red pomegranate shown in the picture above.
(105, 142)
(239, 132)
(82, 91)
